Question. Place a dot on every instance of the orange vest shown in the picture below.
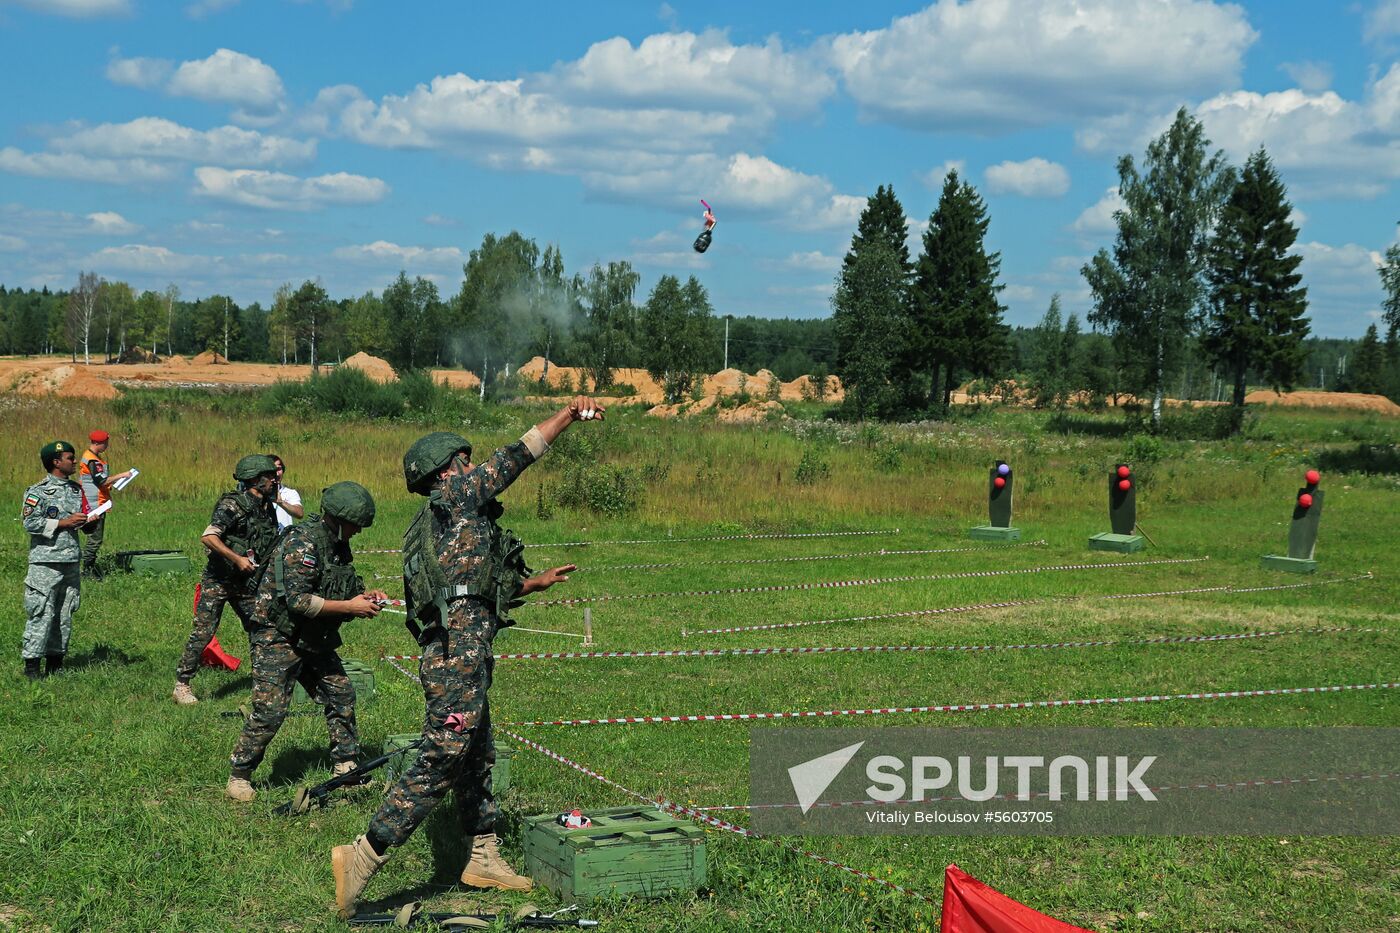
(95, 477)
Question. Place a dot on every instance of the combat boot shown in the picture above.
(31, 669)
(92, 572)
(55, 664)
(487, 869)
(353, 866)
(240, 789)
(342, 767)
(183, 695)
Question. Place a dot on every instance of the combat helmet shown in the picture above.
(349, 502)
(252, 466)
(429, 454)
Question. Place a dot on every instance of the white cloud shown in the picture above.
(79, 9)
(158, 138)
(392, 254)
(11, 244)
(112, 223)
(1383, 20)
(999, 65)
(230, 77)
(279, 191)
(1344, 291)
(1097, 218)
(812, 261)
(145, 73)
(1309, 75)
(203, 8)
(138, 257)
(438, 220)
(1033, 178)
(81, 168)
(934, 178)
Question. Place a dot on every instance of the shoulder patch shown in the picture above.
(28, 511)
(52, 512)
(31, 499)
(308, 560)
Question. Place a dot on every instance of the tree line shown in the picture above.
(1200, 289)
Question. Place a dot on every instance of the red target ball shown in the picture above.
(999, 482)
(1124, 472)
(1305, 500)
(1312, 476)
(1125, 484)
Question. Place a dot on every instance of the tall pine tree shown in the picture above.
(867, 320)
(1148, 292)
(955, 318)
(1258, 307)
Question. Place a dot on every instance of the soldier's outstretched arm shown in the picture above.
(492, 476)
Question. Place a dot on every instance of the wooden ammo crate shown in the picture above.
(153, 561)
(632, 851)
(500, 772)
(361, 678)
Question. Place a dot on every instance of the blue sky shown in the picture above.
(232, 145)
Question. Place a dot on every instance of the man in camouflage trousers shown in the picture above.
(52, 513)
(240, 535)
(309, 589)
(462, 573)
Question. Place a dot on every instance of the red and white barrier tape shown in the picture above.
(950, 708)
(1035, 795)
(883, 552)
(673, 540)
(521, 628)
(696, 814)
(872, 649)
(873, 581)
(1228, 588)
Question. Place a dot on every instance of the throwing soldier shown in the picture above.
(308, 590)
(462, 574)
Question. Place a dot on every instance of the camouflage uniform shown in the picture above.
(456, 666)
(51, 586)
(247, 524)
(290, 644)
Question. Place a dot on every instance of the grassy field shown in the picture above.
(112, 815)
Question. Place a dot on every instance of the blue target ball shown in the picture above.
(1003, 469)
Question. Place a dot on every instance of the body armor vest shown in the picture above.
(338, 581)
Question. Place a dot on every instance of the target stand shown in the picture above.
(1122, 514)
(1302, 531)
(999, 482)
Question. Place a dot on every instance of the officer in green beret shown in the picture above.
(239, 537)
(309, 589)
(52, 513)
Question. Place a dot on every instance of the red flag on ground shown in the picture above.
(969, 906)
(214, 655)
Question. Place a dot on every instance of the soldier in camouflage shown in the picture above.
(310, 588)
(52, 513)
(240, 536)
(462, 573)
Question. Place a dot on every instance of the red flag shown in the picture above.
(969, 906)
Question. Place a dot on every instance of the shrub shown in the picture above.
(811, 469)
(601, 488)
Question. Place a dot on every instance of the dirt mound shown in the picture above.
(373, 367)
(209, 358)
(728, 380)
(176, 361)
(69, 381)
(803, 387)
(750, 413)
(1349, 401)
(457, 378)
(138, 355)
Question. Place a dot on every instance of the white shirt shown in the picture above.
(291, 497)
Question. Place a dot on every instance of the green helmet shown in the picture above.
(349, 502)
(253, 466)
(429, 454)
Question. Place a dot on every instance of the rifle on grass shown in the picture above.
(308, 797)
(411, 914)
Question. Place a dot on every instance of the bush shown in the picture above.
(601, 488)
(811, 469)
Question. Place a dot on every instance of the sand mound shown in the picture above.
(209, 358)
(457, 378)
(373, 367)
(750, 413)
(176, 361)
(69, 381)
(1349, 401)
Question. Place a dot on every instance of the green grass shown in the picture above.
(112, 815)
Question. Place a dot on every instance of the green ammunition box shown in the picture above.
(632, 851)
(1123, 544)
(405, 756)
(361, 678)
(153, 561)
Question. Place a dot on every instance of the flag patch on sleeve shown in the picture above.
(31, 500)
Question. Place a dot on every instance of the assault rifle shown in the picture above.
(308, 797)
(529, 916)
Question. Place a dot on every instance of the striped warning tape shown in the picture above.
(872, 581)
(883, 552)
(674, 540)
(1045, 794)
(518, 628)
(951, 708)
(1227, 588)
(872, 649)
(696, 814)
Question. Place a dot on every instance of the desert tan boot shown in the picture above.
(240, 789)
(353, 866)
(183, 695)
(486, 868)
(342, 767)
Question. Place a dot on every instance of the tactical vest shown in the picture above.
(496, 580)
(338, 581)
(260, 537)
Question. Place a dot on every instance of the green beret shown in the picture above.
(50, 451)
